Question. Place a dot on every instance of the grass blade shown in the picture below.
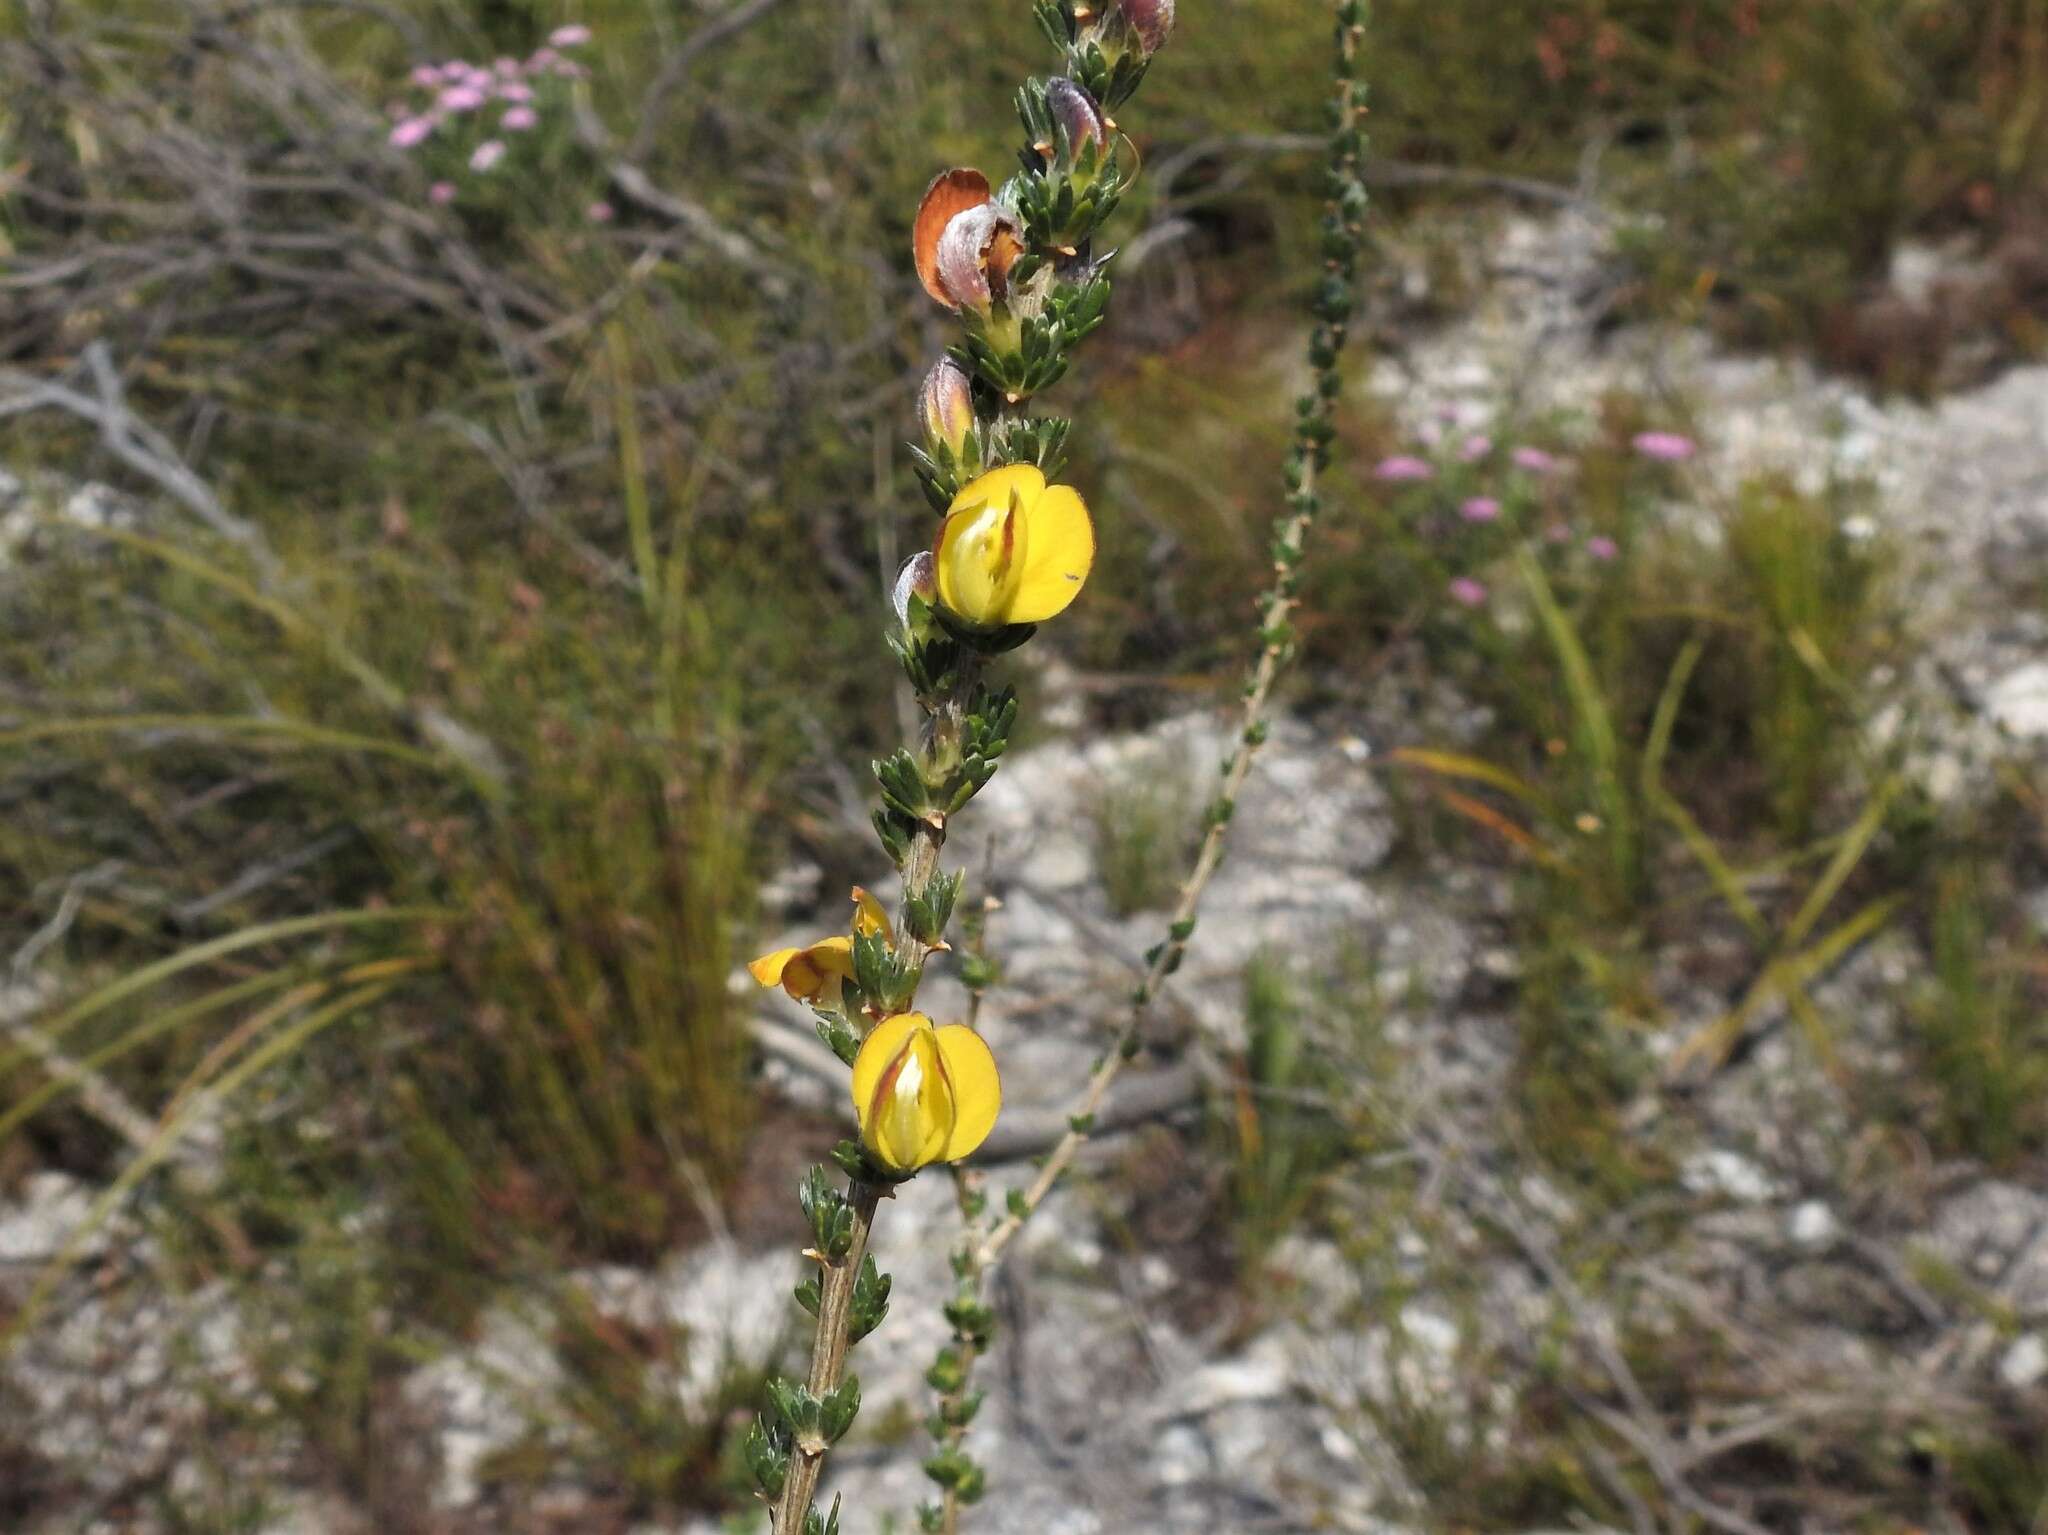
(170, 1132)
(205, 953)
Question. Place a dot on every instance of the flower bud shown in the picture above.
(946, 405)
(915, 579)
(1151, 21)
(1077, 115)
(924, 1094)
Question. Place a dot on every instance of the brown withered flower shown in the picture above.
(964, 244)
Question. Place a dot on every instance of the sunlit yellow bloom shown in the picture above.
(812, 974)
(1013, 550)
(815, 973)
(924, 1094)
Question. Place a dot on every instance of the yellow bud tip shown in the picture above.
(869, 915)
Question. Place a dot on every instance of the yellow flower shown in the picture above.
(924, 1095)
(1013, 550)
(815, 973)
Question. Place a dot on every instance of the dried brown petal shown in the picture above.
(951, 193)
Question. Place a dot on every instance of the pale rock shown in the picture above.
(2025, 1364)
(1813, 1225)
(1717, 1170)
(2018, 702)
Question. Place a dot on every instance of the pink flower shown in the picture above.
(1404, 467)
(487, 154)
(518, 120)
(513, 90)
(542, 59)
(1476, 447)
(1601, 547)
(1535, 460)
(441, 193)
(1480, 509)
(1666, 447)
(599, 213)
(569, 36)
(461, 98)
(569, 69)
(1557, 532)
(425, 74)
(412, 131)
(1469, 593)
(506, 68)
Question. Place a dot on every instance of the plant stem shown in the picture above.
(828, 1357)
(1276, 645)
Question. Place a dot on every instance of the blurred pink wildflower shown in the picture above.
(1535, 460)
(1404, 466)
(599, 213)
(1602, 547)
(569, 36)
(412, 131)
(460, 98)
(1476, 447)
(1666, 447)
(1467, 592)
(518, 119)
(1480, 509)
(441, 193)
(487, 154)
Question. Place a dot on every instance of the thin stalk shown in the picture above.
(828, 1355)
(944, 714)
(1313, 432)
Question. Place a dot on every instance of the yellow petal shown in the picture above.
(769, 967)
(977, 1089)
(913, 1114)
(979, 560)
(869, 916)
(876, 1052)
(814, 973)
(833, 955)
(997, 487)
(907, 1116)
(1059, 549)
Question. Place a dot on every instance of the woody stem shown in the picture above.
(828, 1357)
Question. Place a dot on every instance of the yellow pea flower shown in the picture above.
(924, 1094)
(1013, 550)
(816, 972)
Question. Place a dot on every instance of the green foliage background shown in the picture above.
(653, 592)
